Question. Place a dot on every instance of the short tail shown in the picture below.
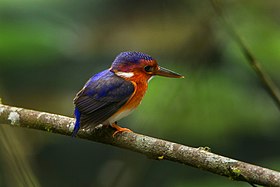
(77, 123)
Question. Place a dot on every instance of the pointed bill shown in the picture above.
(167, 73)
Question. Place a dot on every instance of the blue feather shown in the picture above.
(130, 57)
(77, 123)
(102, 96)
(105, 93)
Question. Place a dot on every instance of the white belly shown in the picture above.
(119, 116)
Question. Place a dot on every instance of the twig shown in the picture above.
(152, 147)
(267, 82)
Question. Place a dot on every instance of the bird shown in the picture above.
(114, 93)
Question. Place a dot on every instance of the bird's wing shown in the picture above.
(101, 97)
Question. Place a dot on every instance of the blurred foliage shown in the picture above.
(48, 49)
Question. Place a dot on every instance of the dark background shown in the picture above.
(48, 50)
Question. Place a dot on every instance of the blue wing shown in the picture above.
(100, 98)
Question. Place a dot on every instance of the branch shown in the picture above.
(149, 146)
(267, 82)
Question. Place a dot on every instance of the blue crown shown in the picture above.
(130, 57)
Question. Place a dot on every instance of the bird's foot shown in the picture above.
(119, 129)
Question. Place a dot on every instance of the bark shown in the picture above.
(154, 148)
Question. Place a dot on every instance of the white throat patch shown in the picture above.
(125, 74)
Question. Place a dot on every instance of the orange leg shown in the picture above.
(119, 129)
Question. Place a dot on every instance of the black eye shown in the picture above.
(148, 68)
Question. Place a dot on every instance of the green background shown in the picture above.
(49, 48)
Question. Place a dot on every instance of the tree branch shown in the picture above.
(152, 147)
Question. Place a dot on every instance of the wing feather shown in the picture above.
(101, 97)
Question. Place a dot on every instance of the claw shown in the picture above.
(119, 129)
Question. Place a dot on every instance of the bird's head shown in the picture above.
(136, 64)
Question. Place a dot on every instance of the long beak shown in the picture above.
(167, 73)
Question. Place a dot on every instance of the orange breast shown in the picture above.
(140, 82)
(140, 85)
(137, 96)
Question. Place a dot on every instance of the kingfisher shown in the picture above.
(114, 93)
